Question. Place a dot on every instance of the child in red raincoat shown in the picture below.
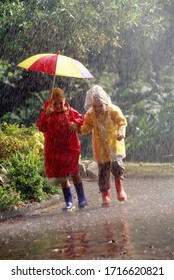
(59, 123)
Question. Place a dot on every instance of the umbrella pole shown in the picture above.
(53, 85)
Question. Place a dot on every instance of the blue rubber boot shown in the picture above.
(82, 202)
(68, 199)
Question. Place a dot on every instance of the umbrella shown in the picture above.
(57, 65)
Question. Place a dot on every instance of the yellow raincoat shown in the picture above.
(104, 130)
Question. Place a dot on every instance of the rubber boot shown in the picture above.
(106, 198)
(82, 202)
(121, 195)
(68, 199)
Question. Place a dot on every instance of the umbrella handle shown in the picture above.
(53, 86)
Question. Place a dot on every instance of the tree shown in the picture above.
(116, 39)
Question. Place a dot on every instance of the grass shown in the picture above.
(149, 169)
(144, 169)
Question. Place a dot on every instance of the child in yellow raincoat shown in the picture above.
(107, 124)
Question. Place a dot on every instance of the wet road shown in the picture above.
(141, 228)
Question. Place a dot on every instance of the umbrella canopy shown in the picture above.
(56, 64)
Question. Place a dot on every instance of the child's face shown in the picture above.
(98, 107)
(58, 105)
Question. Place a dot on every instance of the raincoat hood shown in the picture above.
(96, 92)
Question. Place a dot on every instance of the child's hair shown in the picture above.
(56, 93)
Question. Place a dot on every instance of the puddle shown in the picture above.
(141, 228)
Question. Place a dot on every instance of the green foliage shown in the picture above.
(79, 26)
(25, 181)
(14, 138)
(28, 114)
(150, 122)
(108, 36)
(9, 198)
(21, 153)
(8, 73)
(122, 42)
(25, 175)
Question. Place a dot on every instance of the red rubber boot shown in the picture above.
(121, 195)
(106, 198)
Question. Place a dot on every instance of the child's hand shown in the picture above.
(73, 126)
(49, 110)
(119, 136)
(120, 133)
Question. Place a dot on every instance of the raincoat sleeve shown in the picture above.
(87, 126)
(76, 117)
(43, 121)
(119, 120)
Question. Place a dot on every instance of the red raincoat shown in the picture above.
(62, 146)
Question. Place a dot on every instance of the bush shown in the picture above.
(15, 138)
(9, 198)
(21, 154)
(25, 173)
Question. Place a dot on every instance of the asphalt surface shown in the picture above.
(141, 228)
